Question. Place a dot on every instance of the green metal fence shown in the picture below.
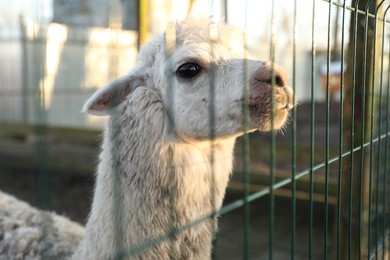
(329, 169)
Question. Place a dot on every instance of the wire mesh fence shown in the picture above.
(317, 189)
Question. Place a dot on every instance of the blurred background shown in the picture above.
(68, 48)
(55, 53)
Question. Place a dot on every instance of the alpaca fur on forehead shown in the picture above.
(206, 30)
(205, 34)
(197, 35)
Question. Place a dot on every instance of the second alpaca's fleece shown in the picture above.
(27, 233)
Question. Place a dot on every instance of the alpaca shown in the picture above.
(28, 233)
(164, 163)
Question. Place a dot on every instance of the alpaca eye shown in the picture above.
(188, 70)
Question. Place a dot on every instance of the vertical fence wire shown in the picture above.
(327, 116)
(312, 128)
(245, 151)
(294, 139)
(373, 105)
(115, 133)
(44, 198)
(385, 181)
(271, 216)
(246, 177)
(117, 189)
(341, 127)
(25, 70)
(213, 32)
(362, 127)
(384, 226)
(352, 136)
(212, 128)
(170, 46)
(40, 129)
(379, 151)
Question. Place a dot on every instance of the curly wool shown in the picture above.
(28, 233)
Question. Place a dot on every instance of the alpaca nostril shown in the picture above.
(272, 76)
(280, 77)
(279, 81)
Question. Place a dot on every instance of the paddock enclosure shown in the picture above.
(317, 189)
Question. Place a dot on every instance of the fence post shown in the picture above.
(24, 69)
(130, 14)
(357, 122)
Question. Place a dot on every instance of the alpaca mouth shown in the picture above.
(262, 109)
(280, 102)
(286, 106)
(285, 100)
(259, 109)
(261, 95)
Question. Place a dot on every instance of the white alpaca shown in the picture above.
(30, 234)
(159, 167)
(167, 152)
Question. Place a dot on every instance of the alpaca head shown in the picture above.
(206, 80)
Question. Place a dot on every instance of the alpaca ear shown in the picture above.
(114, 93)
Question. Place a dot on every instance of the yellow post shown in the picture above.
(143, 21)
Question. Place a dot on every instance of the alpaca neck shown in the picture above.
(147, 186)
(139, 205)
